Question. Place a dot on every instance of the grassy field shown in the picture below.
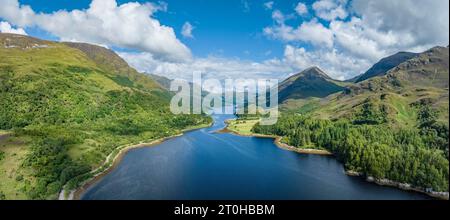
(243, 127)
(13, 177)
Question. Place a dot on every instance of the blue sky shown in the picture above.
(228, 28)
(238, 38)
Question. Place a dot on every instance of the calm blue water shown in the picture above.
(206, 165)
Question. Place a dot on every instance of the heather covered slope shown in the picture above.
(66, 107)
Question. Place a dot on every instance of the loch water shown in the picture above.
(206, 165)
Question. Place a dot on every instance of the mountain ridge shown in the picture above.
(311, 82)
(385, 64)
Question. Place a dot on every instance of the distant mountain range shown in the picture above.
(396, 82)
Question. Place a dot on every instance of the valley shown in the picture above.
(74, 112)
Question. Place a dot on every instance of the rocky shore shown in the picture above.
(403, 186)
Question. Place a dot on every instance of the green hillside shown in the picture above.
(392, 126)
(303, 92)
(312, 82)
(65, 107)
(161, 80)
(423, 79)
(384, 65)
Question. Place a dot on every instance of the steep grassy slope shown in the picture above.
(384, 65)
(68, 106)
(422, 79)
(115, 67)
(161, 80)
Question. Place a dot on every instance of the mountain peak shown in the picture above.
(317, 71)
(310, 72)
(436, 49)
(311, 82)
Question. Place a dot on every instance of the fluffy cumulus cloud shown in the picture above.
(330, 9)
(349, 36)
(278, 16)
(411, 23)
(301, 9)
(187, 29)
(311, 31)
(5, 27)
(129, 25)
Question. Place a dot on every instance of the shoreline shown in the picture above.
(398, 185)
(380, 182)
(277, 142)
(77, 193)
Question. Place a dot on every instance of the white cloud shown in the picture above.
(5, 27)
(417, 22)
(212, 67)
(373, 30)
(187, 30)
(315, 33)
(268, 5)
(311, 31)
(336, 64)
(301, 9)
(351, 36)
(129, 25)
(330, 9)
(278, 16)
(381, 28)
(295, 59)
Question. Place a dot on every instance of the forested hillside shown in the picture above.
(394, 125)
(418, 156)
(65, 107)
